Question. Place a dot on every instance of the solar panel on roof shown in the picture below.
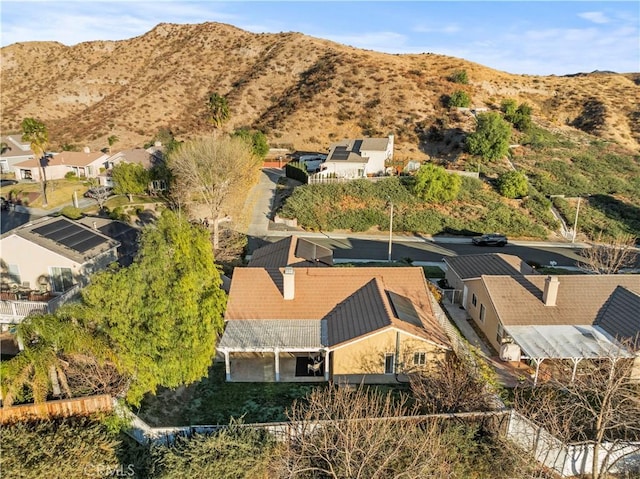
(70, 235)
(404, 309)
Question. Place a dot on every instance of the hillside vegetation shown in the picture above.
(301, 91)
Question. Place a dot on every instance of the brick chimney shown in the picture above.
(289, 284)
(550, 293)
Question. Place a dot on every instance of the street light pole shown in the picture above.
(390, 230)
(575, 223)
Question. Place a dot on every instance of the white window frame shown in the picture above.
(483, 312)
(54, 281)
(391, 356)
(419, 358)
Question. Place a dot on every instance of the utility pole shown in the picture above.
(575, 223)
(390, 230)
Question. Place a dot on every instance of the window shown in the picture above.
(13, 274)
(389, 363)
(61, 279)
(482, 311)
(89, 170)
(419, 358)
(474, 300)
(25, 175)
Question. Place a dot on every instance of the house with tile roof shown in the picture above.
(46, 262)
(15, 150)
(145, 157)
(85, 164)
(291, 316)
(567, 318)
(358, 158)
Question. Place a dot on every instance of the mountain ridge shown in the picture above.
(303, 92)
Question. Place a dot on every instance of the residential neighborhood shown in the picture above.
(244, 252)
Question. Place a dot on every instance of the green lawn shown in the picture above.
(214, 401)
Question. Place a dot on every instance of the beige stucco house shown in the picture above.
(358, 158)
(536, 317)
(45, 262)
(15, 150)
(291, 316)
(85, 164)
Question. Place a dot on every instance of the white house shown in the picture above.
(15, 151)
(45, 262)
(358, 158)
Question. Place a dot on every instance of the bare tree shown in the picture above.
(608, 256)
(602, 405)
(340, 432)
(450, 387)
(215, 173)
(99, 193)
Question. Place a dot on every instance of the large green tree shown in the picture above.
(459, 98)
(434, 184)
(256, 139)
(35, 132)
(491, 138)
(130, 179)
(163, 313)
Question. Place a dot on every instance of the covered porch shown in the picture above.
(274, 351)
(565, 343)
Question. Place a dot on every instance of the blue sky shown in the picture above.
(538, 38)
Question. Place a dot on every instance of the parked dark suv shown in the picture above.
(492, 239)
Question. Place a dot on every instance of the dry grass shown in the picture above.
(59, 192)
(301, 91)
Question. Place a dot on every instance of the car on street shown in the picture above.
(490, 239)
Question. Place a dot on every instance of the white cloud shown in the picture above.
(380, 41)
(595, 17)
(448, 29)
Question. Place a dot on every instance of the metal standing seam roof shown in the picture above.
(566, 342)
(476, 265)
(269, 334)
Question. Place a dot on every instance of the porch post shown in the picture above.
(538, 363)
(277, 355)
(326, 364)
(227, 366)
(575, 367)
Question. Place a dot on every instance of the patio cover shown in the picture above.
(268, 335)
(566, 342)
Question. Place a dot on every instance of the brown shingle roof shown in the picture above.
(476, 265)
(518, 299)
(353, 300)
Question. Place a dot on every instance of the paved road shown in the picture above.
(364, 246)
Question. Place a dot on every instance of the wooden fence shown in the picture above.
(62, 407)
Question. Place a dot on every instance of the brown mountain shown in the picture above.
(301, 91)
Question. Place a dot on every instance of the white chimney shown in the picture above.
(289, 284)
(86, 149)
(550, 293)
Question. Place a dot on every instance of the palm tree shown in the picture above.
(48, 340)
(4, 147)
(218, 109)
(112, 140)
(35, 132)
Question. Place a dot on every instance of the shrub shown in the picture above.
(459, 99)
(71, 212)
(459, 76)
(513, 184)
(70, 175)
(435, 185)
